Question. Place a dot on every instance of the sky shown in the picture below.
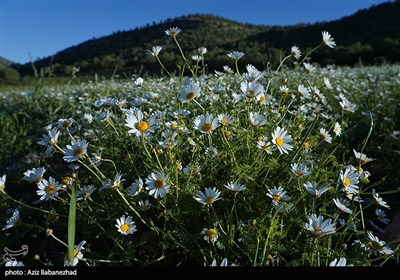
(32, 29)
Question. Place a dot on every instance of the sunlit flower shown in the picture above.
(223, 263)
(327, 83)
(138, 125)
(300, 170)
(87, 118)
(209, 196)
(265, 146)
(327, 39)
(342, 205)
(251, 89)
(257, 119)
(49, 140)
(202, 51)
(180, 114)
(65, 123)
(377, 246)
(13, 220)
(325, 136)
(348, 106)
(224, 120)
(48, 189)
(35, 175)
(252, 74)
(210, 234)
(236, 187)
(211, 152)
(155, 50)
(362, 158)
(295, 52)
(339, 262)
(85, 192)
(190, 91)
(311, 188)
(376, 199)
(197, 58)
(206, 123)
(309, 67)
(76, 150)
(235, 55)
(157, 184)
(349, 181)
(382, 216)
(278, 194)
(318, 227)
(77, 254)
(337, 129)
(136, 187)
(304, 93)
(173, 31)
(126, 225)
(282, 140)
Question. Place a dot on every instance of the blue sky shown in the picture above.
(40, 28)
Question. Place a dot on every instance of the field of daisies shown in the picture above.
(293, 165)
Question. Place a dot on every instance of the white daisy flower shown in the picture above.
(295, 52)
(173, 31)
(138, 125)
(318, 227)
(362, 158)
(376, 199)
(224, 120)
(136, 187)
(342, 205)
(251, 89)
(77, 254)
(155, 50)
(76, 150)
(377, 246)
(126, 225)
(300, 170)
(13, 220)
(382, 216)
(236, 187)
(349, 181)
(144, 204)
(210, 234)
(157, 184)
(206, 123)
(325, 135)
(337, 129)
(282, 140)
(257, 119)
(209, 196)
(327, 39)
(48, 189)
(311, 188)
(34, 175)
(190, 91)
(278, 194)
(339, 262)
(235, 55)
(85, 192)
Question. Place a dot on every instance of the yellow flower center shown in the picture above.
(75, 253)
(211, 233)
(174, 125)
(279, 141)
(346, 182)
(224, 121)
(363, 161)
(50, 189)
(66, 180)
(250, 92)
(190, 95)
(227, 133)
(124, 227)
(159, 183)
(142, 126)
(266, 147)
(66, 123)
(299, 173)
(374, 244)
(360, 170)
(263, 99)
(206, 127)
(276, 197)
(169, 144)
(209, 200)
(317, 228)
(306, 145)
(78, 152)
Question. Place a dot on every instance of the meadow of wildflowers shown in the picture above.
(292, 165)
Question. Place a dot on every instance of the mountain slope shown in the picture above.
(369, 34)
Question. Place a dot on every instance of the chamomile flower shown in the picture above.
(235, 187)
(325, 136)
(3, 183)
(180, 114)
(136, 187)
(235, 55)
(348, 106)
(76, 150)
(265, 146)
(278, 194)
(210, 234)
(337, 129)
(362, 158)
(295, 52)
(376, 199)
(349, 181)
(318, 227)
(281, 139)
(224, 120)
(87, 118)
(251, 89)
(339, 262)
(197, 57)
(65, 123)
(303, 92)
(202, 51)
(382, 216)
(155, 51)
(173, 31)
(138, 125)
(49, 140)
(327, 83)
(13, 220)
(327, 39)
(157, 184)
(309, 68)
(300, 170)
(126, 225)
(85, 192)
(223, 263)
(209, 196)
(311, 188)
(342, 205)
(257, 119)
(190, 91)
(34, 175)
(211, 152)
(77, 254)
(377, 246)
(48, 189)
(144, 204)
(206, 123)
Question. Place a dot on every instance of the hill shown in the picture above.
(371, 35)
